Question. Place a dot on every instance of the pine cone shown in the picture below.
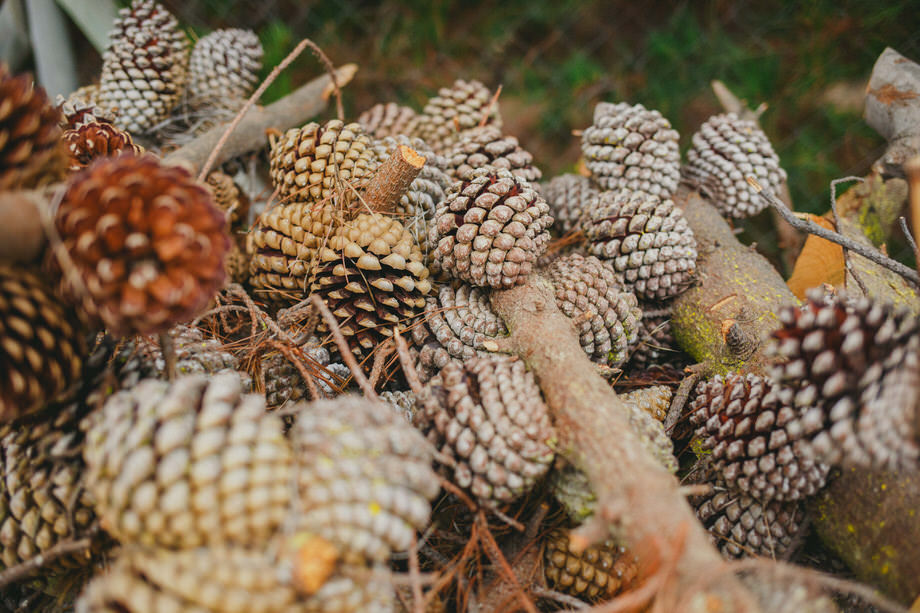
(646, 239)
(462, 321)
(456, 109)
(144, 68)
(569, 196)
(630, 147)
(390, 119)
(188, 463)
(42, 345)
(403, 402)
(571, 488)
(229, 198)
(490, 418)
(841, 363)
(82, 106)
(31, 152)
(490, 230)
(365, 476)
(147, 240)
(92, 140)
(725, 150)
(654, 400)
(223, 69)
(373, 279)
(598, 573)
(742, 526)
(587, 286)
(323, 164)
(486, 146)
(743, 420)
(285, 384)
(655, 345)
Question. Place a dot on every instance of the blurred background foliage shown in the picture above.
(555, 59)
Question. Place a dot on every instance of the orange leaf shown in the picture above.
(820, 262)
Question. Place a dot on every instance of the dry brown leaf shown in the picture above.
(820, 262)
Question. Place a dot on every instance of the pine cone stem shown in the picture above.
(393, 179)
(168, 347)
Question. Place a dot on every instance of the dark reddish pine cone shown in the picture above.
(42, 345)
(80, 107)
(147, 242)
(31, 152)
(598, 573)
(744, 421)
(568, 197)
(487, 146)
(488, 415)
(490, 230)
(584, 285)
(645, 238)
(390, 119)
(94, 139)
(850, 364)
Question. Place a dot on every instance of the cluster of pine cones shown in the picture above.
(171, 400)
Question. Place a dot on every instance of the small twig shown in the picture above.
(405, 360)
(846, 260)
(494, 552)
(569, 601)
(380, 360)
(811, 227)
(488, 110)
(344, 349)
(168, 348)
(418, 600)
(17, 573)
(682, 395)
(906, 230)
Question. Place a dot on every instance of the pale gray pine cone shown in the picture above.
(188, 463)
(403, 402)
(487, 146)
(490, 230)
(462, 321)
(364, 475)
(630, 147)
(284, 382)
(144, 68)
(646, 239)
(389, 119)
(725, 150)
(589, 286)
(456, 109)
(743, 421)
(569, 196)
(488, 415)
(223, 69)
(851, 365)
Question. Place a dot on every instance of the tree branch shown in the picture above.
(393, 179)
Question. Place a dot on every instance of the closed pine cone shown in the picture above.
(646, 239)
(144, 68)
(223, 69)
(456, 109)
(655, 345)
(95, 139)
(569, 196)
(584, 285)
(743, 421)
(390, 119)
(487, 146)
(490, 230)
(654, 400)
(42, 345)
(364, 475)
(188, 463)
(851, 365)
(598, 573)
(147, 241)
(489, 416)
(631, 147)
(31, 152)
(462, 321)
(228, 197)
(726, 150)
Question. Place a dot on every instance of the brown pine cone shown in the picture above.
(654, 400)
(743, 421)
(390, 119)
(364, 475)
(646, 239)
(490, 230)
(31, 151)
(462, 321)
(144, 68)
(569, 196)
(587, 286)
(147, 240)
(487, 146)
(655, 345)
(81, 106)
(725, 150)
(42, 345)
(598, 573)
(489, 416)
(456, 109)
(228, 197)
(188, 463)
(322, 164)
(630, 147)
(95, 139)
(842, 359)
(223, 69)
(403, 402)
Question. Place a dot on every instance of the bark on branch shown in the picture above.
(393, 179)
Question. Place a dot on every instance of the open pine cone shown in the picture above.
(487, 146)
(456, 109)
(223, 69)
(94, 139)
(598, 573)
(146, 240)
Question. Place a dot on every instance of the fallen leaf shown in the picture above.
(819, 262)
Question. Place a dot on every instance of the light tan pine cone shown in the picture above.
(598, 573)
(390, 119)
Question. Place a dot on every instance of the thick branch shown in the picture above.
(393, 179)
(893, 108)
(634, 491)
